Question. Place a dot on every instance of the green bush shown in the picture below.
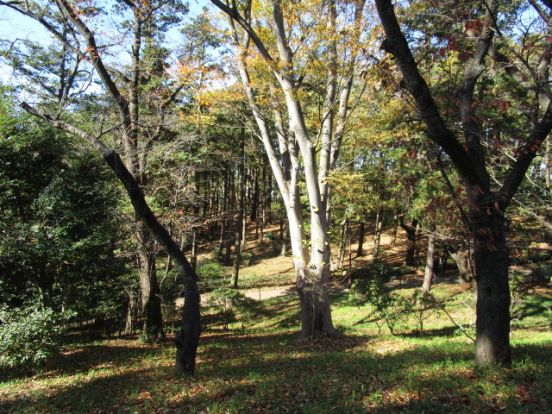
(369, 286)
(28, 336)
(210, 270)
(232, 305)
(246, 258)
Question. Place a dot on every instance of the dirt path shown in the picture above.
(268, 292)
(259, 294)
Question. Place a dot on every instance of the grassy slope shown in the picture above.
(260, 366)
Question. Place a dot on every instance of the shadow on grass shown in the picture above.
(531, 306)
(81, 359)
(277, 373)
(428, 333)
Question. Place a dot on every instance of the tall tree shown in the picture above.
(290, 142)
(487, 204)
(124, 86)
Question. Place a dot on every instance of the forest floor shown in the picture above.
(255, 363)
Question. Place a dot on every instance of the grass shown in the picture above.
(259, 365)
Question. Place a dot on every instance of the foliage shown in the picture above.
(232, 305)
(29, 335)
(59, 226)
(246, 257)
(210, 270)
(371, 288)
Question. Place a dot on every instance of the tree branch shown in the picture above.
(234, 14)
(526, 155)
(396, 44)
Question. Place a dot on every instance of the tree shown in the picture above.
(487, 205)
(59, 224)
(125, 92)
(291, 142)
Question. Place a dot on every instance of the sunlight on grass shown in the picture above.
(259, 365)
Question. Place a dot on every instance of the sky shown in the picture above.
(16, 26)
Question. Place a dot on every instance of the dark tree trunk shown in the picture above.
(187, 338)
(267, 197)
(377, 234)
(255, 198)
(360, 249)
(411, 231)
(240, 218)
(486, 216)
(342, 241)
(395, 230)
(150, 297)
(491, 258)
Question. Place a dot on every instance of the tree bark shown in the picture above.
(150, 299)
(360, 249)
(131, 314)
(491, 259)
(464, 263)
(411, 242)
(240, 218)
(377, 233)
(187, 338)
(429, 273)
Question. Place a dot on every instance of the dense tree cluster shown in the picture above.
(426, 116)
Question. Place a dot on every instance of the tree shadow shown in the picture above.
(92, 356)
(531, 306)
(278, 373)
(428, 333)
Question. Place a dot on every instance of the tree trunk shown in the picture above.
(342, 240)
(429, 273)
(316, 319)
(410, 229)
(267, 197)
(350, 243)
(491, 259)
(240, 218)
(193, 254)
(464, 263)
(377, 234)
(312, 279)
(395, 231)
(187, 338)
(132, 308)
(283, 232)
(150, 299)
(253, 214)
(360, 250)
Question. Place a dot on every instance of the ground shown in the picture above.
(256, 363)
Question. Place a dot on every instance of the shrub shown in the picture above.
(247, 258)
(210, 270)
(217, 254)
(232, 303)
(369, 286)
(28, 336)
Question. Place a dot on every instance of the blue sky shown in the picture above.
(16, 26)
